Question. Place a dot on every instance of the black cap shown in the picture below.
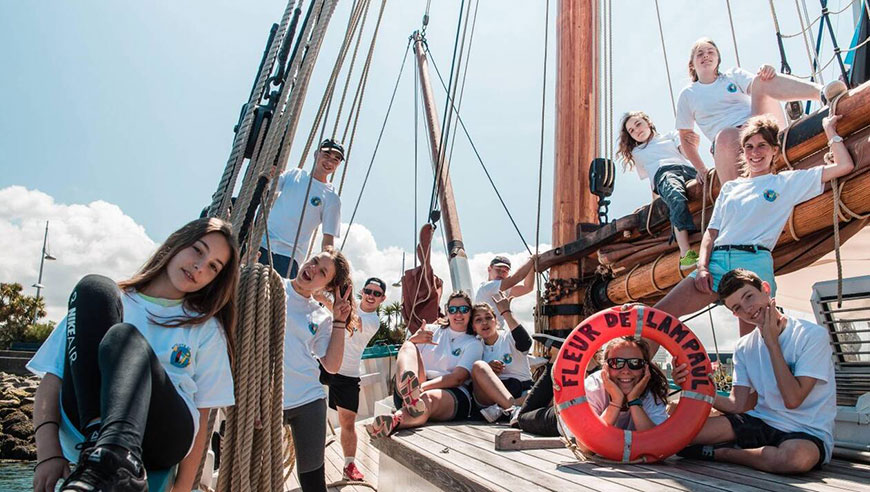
(500, 260)
(375, 280)
(330, 144)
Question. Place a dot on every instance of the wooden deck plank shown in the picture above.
(565, 462)
(527, 465)
(742, 472)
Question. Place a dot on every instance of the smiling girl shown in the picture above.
(432, 367)
(660, 159)
(750, 213)
(131, 371)
(314, 334)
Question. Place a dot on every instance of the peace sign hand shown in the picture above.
(341, 307)
(502, 301)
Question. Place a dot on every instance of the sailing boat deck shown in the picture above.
(462, 457)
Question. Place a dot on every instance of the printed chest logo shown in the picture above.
(180, 355)
(732, 87)
(456, 352)
(312, 327)
(507, 359)
(770, 195)
(316, 201)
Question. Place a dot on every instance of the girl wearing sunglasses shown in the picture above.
(432, 367)
(630, 392)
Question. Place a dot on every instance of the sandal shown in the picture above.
(384, 425)
(409, 390)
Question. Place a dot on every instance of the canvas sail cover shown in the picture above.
(421, 288)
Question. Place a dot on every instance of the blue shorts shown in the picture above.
(722, 262)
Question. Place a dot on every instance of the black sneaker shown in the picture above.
(107, 469)
(704, 452)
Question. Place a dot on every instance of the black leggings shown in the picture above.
(537, 415)
(112, 375)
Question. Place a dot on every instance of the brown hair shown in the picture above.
(735, 280)
(341, 281)
(217, 298)
(694, 74)
(444, 321)
(658, 382)
(627, 143)
(768, 128)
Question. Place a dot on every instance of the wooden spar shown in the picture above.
(576, 121)
(460, 274)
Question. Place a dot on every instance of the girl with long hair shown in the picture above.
(130, 373)
(660, 159)
(750, 213)
(314, 335)
(432, 367)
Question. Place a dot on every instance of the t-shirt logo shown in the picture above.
(507, 359)
(316, 201)
(456, 352)
(180, 355)
(770, 195)
(312, 327)
(732, 88)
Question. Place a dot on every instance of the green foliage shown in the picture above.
(38, 332)
(392, 328)
(17, 313)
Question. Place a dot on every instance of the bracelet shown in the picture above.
(635, 402)
(48, 459)
(505, 311)
(615, 405)
(46, 422)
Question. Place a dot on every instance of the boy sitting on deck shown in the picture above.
(787, 424)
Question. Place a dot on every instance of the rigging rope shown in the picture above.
(665, 53)
(540, 319)
(733, 34)
(784, 66)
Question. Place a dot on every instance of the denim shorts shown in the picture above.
(722, 262)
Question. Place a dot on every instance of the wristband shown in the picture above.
(505, 311)
(46, 422)
(612, 404)
(636, 402)
(48, 459)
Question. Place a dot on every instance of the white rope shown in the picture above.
(665, 54)
(733, 34)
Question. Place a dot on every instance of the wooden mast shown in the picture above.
(576, 122)
(460, 274)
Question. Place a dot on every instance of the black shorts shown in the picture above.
(461, 401)
(752, 432)
(343, 390)
(514, 386)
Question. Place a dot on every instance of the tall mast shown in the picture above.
(460, 275)
(576, 122)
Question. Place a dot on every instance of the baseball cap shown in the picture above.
(500, 260)
(330, 144)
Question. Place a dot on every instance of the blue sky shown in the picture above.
(134, 104)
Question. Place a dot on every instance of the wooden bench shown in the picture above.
(462, 457)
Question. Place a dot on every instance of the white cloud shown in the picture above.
(93, 238)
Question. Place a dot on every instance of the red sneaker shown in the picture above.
(351, 472)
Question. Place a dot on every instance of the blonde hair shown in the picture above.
(627, 143)
(766, 126)
(693, 74)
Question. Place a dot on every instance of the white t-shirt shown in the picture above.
(324, 207)
(754, 210)
(485, 291)
(715, 106)
(806, 349)
(516, 363)
(355, 343)
(660, 150)
(453, 350)
(194, 357)
(306, 338)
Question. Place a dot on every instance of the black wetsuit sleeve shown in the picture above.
(522, 340)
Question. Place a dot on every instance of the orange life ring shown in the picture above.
(612, 442)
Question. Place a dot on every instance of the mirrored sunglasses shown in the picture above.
(373, 293)
(458, 309)
(634, 363)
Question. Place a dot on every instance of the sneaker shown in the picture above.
(831, 90)
(384, 425)
(705, 452)
(409, 391)
(689, 261)
(515, 417)
(352, 473)
(493, 412)
(107, 469)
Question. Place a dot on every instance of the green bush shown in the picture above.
(38, 332)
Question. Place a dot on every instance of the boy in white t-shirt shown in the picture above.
(344, 385)
(787, 424)
(309, 198)
(500, 279)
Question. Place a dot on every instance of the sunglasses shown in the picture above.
(634, 363)
(458, 309)
(373, 293)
